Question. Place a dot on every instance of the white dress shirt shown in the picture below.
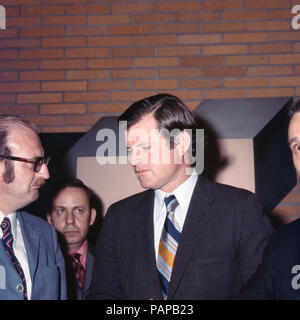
(19, 247)
(183, 194)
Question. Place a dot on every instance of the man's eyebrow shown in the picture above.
(295, 139)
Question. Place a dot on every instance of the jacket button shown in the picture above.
(20, 288)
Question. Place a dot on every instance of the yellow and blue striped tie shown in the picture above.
(168, 245)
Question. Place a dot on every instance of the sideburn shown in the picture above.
(9, 173)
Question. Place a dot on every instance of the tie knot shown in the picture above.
(5, 225)
(75, 256)
(171, 203)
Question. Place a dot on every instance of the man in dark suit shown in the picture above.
(278, 276)
(184, 238)
(72, 213)
(31, 263)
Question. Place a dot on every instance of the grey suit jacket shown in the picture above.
(221, 244)
(46, 263)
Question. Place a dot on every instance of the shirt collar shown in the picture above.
(183, 193)
(13, 221)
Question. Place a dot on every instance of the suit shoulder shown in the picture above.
(288, 233)
(35, 220)
(131, 200)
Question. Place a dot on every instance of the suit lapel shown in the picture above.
(31, 238)
(195, 222)
(145, 234)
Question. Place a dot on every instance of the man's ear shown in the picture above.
(48, 216)
(93, 216)
(183, 142)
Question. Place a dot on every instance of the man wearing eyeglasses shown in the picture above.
(31, 263)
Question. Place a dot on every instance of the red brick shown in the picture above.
(109, 41)
(109, 19)
(9, 33)
(133, 74)
(224, 72)
(154, 84)
(108, 85)
(19, 2)
(132, 29)
(246, 82)
(201, 61)
(29, 109)
(201, 83)
(110, 63)
(280, 14)
(222, 5)
(42, 32)
(22, 21)
(8, 54)
(199, 38)
(154, 40)
(268, 25)
(245, 37)
(67, 42)
(132, 52)
(245, 15)
(64, 86)
(41, 75)
(273, 48)
(130, 96)
(19, 65)
(178, 50)
(178, 28)
(86, 31)
(87, 53)
(133, 7)
(284, 36)
(41, 54)
(63, 1)
(224, 93)
(42, 11)
(86, 96)
(286, 210)
(226, 49)
(297, 69)
(155, 17)
(269, 70)
(8, 76)
(63, 64)
(87, 74)
(39, 98)
(223, 27)
(45, 120)
(64, 20)
(81, 120)
(179, 72)
(267, 4)
(19, 43)
(12, 11)
(20, 87)
(285, 81)
(199, 16)
(156, 62)
(62, 108)
(63, 129)
(88, 8)
(277, 92)
(186, 95)
(106, 107)
(285, 59)
(179, 6)
(246, 60)
(7, 98)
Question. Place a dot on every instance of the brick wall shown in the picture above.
(66, 63)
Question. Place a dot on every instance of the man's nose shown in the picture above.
(44, 172)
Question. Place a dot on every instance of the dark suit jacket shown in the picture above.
(74, 290)
(46, 263)
(220, 246)
(278, 276)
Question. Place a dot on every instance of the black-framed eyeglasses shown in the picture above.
(37, 163)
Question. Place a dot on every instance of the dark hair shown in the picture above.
(6, 122)
(72, 183)
(294, 109)
(168, 111)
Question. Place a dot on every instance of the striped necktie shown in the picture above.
(168, 245)
(7, 241)
(78, 268)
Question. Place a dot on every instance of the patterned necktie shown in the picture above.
(168, 245)
(78, 268)
(7, 241)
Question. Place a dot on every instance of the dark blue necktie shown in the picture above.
(7, 241)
